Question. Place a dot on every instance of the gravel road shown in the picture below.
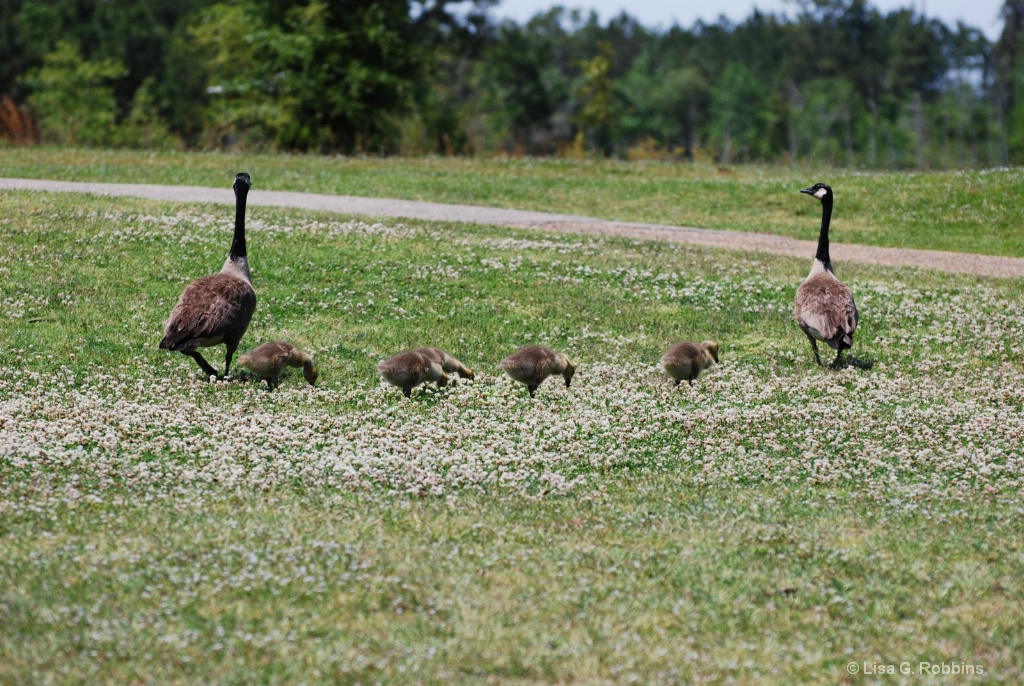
(982, 265)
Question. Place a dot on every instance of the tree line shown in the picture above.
(839, 83)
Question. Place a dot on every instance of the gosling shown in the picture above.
(270, 359)
(686, 360)
(449, 364)
(534, 363)
(409, 369)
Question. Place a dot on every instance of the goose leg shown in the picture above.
(227, 359)
(407, 390)
(814, 347)
(532, 388)
(210, 371)
(837, 362)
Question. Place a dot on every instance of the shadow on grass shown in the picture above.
(853, 361)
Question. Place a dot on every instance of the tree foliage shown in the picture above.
(840, 82)
(75, 97)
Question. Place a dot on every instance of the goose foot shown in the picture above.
(201, 361)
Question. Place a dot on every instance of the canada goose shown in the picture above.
(534, 363)
(270, 359)
(824, 305)
(216, 309)
(413, 367)
(686, 360)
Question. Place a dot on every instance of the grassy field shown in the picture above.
(969, 211)
(773, 524)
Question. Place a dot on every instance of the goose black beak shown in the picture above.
(808, 191)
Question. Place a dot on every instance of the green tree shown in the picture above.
(134, 33)
(242, 102)
(520, 85)
(596, 96)
(310, 75)
(822, 120)
(74, 98)
(441, 121)
(663, 103)
(1009, 52)
(143, 127)
(738, 114)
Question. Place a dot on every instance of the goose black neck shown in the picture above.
(826, 217)
(238, 242)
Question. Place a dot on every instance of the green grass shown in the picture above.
(648, 583)
(962, 211)
(771, 525)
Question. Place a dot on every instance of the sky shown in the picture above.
(981, 14)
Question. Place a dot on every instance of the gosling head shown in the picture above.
(712, 348)
(570, 369)
(310, 373)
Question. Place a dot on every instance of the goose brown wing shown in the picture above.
(213, 307)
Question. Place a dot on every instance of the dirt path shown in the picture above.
(983, 265)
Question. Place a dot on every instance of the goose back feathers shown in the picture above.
(825, 309)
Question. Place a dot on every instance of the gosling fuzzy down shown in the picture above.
(534, 363)
(411, 368)
(824, 306)
(685, 360)
(449, 364)
(216, 309)
(269, 361)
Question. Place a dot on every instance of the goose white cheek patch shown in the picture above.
(820, 193)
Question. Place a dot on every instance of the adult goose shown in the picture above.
(216, 309)
(824, 305)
